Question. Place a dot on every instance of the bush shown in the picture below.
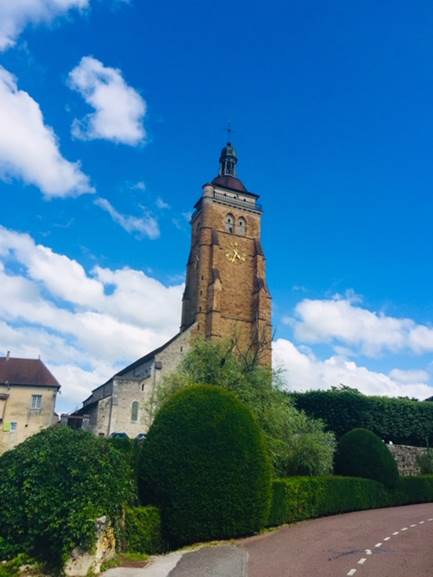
(7, 550)
(54, 486)
(204, 464)
(297, 444)
(414, 490)
(299, 498)
(142, 533)
(425, 462)
(402, 421)
(361, 453)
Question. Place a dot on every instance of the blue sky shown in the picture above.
(112, 115)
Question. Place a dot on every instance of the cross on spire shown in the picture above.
(229, 131)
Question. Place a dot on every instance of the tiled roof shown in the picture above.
(26, 372)
(229, 182)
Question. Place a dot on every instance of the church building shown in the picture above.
(226, 297)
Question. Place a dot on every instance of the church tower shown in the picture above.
(226, 295)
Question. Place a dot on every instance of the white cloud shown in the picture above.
(411, 376)
(29, 149)
(341, 320)
(302, 371)
(145, 225)
(119, 109)
(161, 204)
(85, 324)
(16, 14)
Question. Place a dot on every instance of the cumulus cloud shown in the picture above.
(145, 225)
(343, 320)
(119, 110)
(28, 147)
(16, 14)
(85, 324)
(302, 370)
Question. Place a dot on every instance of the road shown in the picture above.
(396, 542)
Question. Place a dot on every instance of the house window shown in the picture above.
(36, 402)
(134, 411)
(230, 223)
(242, 226)
(13, 426)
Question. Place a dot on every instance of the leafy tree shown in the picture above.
(402, 421)
(298, 444)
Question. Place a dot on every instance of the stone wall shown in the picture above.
(406, 458)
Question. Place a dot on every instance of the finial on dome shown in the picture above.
(228, 157)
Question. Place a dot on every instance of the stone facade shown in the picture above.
(28, 394)
(226, 297)
(406, 458)
(226, 293)
(110, 407)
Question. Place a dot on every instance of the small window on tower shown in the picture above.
(242, 226)
(230, 223)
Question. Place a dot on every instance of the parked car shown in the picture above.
(119, 436)
(140, 437)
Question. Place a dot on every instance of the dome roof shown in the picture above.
(227, 181)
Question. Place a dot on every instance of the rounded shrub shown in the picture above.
(54, 486)
(361, 453)
(204, 463)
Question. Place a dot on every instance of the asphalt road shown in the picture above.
(395, 542)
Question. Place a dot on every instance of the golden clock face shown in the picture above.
(234, 254)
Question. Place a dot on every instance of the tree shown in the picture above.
(298, 444)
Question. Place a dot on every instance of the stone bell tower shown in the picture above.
(226, 295)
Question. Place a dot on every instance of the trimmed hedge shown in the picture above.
(204, 463)
(360, 453)
(54, 486)
(411, 490)
(142, 532)
(299, 498)
(402, 421)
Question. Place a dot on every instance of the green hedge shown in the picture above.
(298, 498)
(401, 421)
(204, 464)
(54, 486)
(361, 453)
(142, 532)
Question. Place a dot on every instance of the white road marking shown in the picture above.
(351, 572)
(421, 522)
(404, 529)
(396, 532)
(378, 544)
(430, 519)
(387, 538)
(414, 525)
(369, 552)
(362, 561)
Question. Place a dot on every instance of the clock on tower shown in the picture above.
(226, 295)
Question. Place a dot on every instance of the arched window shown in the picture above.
(242, 226)
(230, 223)
(134, 411)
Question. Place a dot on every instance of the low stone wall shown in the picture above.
(83, 563)
(406, 458)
